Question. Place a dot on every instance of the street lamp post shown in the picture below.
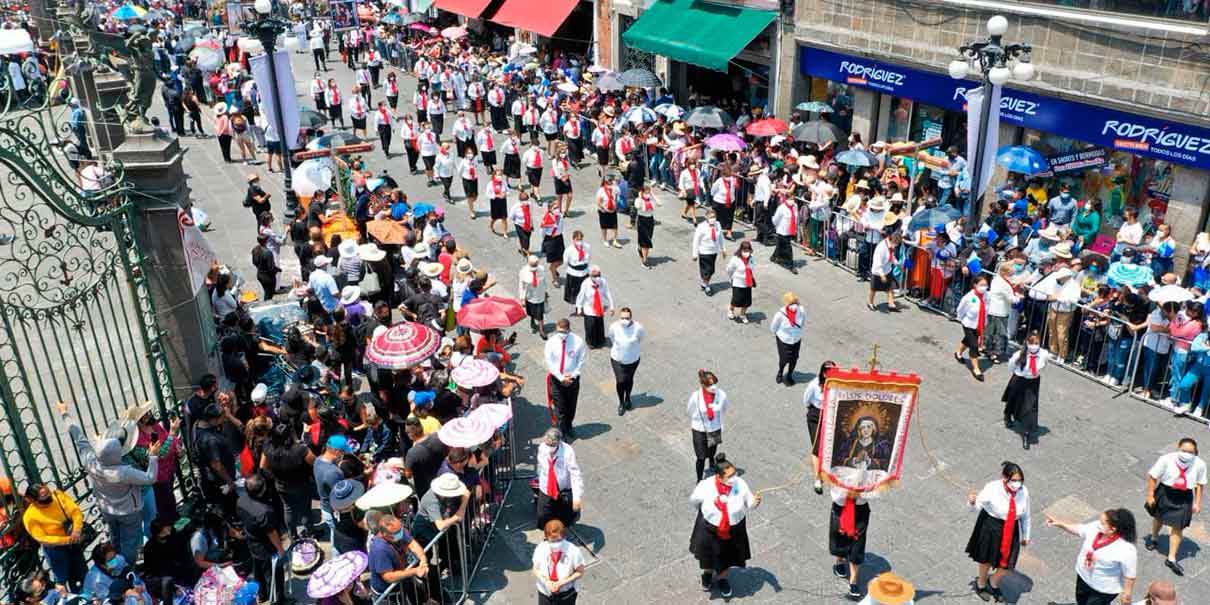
(266, 30)
(998, 63)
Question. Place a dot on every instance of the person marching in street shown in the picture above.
(1107, 563)
(972, 314)
(558, 565)
(882, 270)
(576, 258)
(560, 483)
(600, 141)
(785, 228)
(464, 134)
(470, 179)
(512, 156)
(444, 166)
(1174, 494)
(391, 86)
(319, 93)
(564, 354)
(531, 288)
(552, 239)
(428, 151)
(374, 64)
(359, 108)
(625, 338)
(690, 189)
(720, 535)
(743, 280)
(847, 529)
(521, 215)
(497, 192)
(707, 405)
(362, 82)
(724, 193)
(707, 245)
(644, 209)
(607, 210)
(548, 123)
(495, 107)
(382, 122)
(812, 399)
(533, 165)
(420, 99)
(517, 111)
(410, 138)
(333, 99)
(1021, 394)
(1001, 530)
(435, 106)
(787, 332)
(475, 92)
(485, 142)
(560, 168)
(573, 138)
(593, 302)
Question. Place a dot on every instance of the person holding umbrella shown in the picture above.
(592, 302)
(564, 354)
(560, 483)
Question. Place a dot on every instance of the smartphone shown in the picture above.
(155, 437)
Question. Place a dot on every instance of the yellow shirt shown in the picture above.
(45, 522)
(430, 425)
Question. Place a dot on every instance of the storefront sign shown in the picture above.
(1077, 160)
(1101, 126)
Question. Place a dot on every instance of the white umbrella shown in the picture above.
(15, 41)
(567, 87)
(526, 49)
(597, 69)
(207, 59)
(384, 495)
(313, 175)
(1170, 293)
(670, 111)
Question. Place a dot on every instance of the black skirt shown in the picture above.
(714, 553)
(562, 187)
(359, 123)
(552, 248)
(741, 297)
(607, 220)
(725, 215)
(1173, 507)
(594, 331)
(1021, 401)
(334, 112)
(646, 228)
(512, 165)
(984, 543)
(535, 310)
(470, 187)
(840, 545)
(571, 288)
(489, 158)
(499, 208)
(321, 103)
(555, 508)
(970, 338)
(603, 155)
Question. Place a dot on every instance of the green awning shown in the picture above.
(422, 5)
(697, 32)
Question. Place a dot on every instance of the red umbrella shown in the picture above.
(403, 345)
(767, 127)
(490, 312)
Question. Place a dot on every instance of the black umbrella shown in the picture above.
(185, 44)
(609, 81)
(309, 118)
(640, 78)
(709, 116)
(818, 132)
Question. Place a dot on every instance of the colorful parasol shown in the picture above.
(207, 58)
(465, 432)
(422, 27)
(128, 12)
(453, 33)
(767, 127)
(336, 575)
(726, 142)
(384, 495)
(494, 415)
(1170, 293)
(475, 373)
(403, 345)
(490, 313)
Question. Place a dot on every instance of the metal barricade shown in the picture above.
(447, 578)
(1174, 380)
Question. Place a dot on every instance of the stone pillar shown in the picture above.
(153, 165)
(788, 78)
(108, 89)
(865, 113)
(603, 31)
(42, 11)
(1186, 209)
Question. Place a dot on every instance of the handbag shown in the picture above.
(370, 285)
(87, 533)
(1113, 331)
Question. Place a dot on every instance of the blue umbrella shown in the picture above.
(931, 217)
(856, 157)
(1128, 274)
(1019, 158)
(814, 106)
(639, 114)
(128, 12)
(422, 209)
(391, 19)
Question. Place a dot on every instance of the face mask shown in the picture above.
(1033, 348)
(555, 540)
(1015, 485)
(745, 254)
(626, 321)
(47, 500)
(596, 279)
(1066, 196)
(117, 563)
(1186, 457)
(397, 536)
(981, 289)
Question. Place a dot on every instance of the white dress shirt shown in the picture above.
(707, 238)
(497, 188)
(724, 191)
(516, 214)
(567, 470)
(484, 140)
(428, 143)
(1166, 470)
(785, 330)
(812, 397)
(444, 165)
(1111, 563)
(382, 117)
(463, 131)
(1040, 359)
(531, 284)
(570, 559)
(740, 500)
(993, 498)
(495, 97)
(969, 310)
(785, 218)
(552, 222)
(566, 347)
(467, 169)
(882, 261)
(735, 269)
(690, 182)
(600, 137)
(511, 146)
(763, 189)
(588, 293)
(645, 204)
(1000, 297)
(624, 341)
(576, 258)
(699, 420)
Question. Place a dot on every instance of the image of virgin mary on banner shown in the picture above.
(863, 427)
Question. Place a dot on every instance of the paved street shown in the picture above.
(1093, 454)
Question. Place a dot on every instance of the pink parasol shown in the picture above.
(465, 432)
(336, 575)
(453, 33)
(492, 414)
(423, 27)
(475, 373)
(767, 127)
(403, 345)
(490, 313)
(726, 142)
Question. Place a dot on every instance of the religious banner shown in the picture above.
(863, 427)
(344, 14)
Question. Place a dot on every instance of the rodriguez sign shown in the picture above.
(1182, 143)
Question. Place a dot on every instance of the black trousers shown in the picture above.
(446, 181)
(705, 266)
(623, 375)
(534, 175)
(1085, 595)
(563, 398)
(318, 54)
(262, 570)
(384, 135)
(268, 284)
(787, 356)
(413, 156)
(567, 597)
(523, 238)
(783, 252)
(224, 145)
(177, 116)
(195, 123)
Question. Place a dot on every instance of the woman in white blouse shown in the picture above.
(743, 280)
(1021, 394)
(972, 314)
(847, 529)
(558, 565)
(1108, 561)
(707, 404)
(1130, 234)
(1174, 494)
(787, 331)
(720, 534)
(812, 399)
(625, 335)
(1001, 530)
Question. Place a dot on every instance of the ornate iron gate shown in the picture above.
(632, 58)
(77, 322)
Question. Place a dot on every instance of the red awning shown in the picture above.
(541, 17)
(466, 8)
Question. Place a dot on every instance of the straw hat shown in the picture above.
(1051, 232)
(220, 109)
(1061, 250)
(758, 170)
(878, 204)
(890, 589)
(610, 111)
(448, 486)
(809, 162)
(136, 412)
(431, 270)
(465, 265)
(125, 432)
(862, 184)
(350, 295)
(678, 128)
(897, 197)
(421, 250)
(252, 177)
(371, 253)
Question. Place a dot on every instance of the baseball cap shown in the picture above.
(340, 442)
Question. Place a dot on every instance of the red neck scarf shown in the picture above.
(555, 555)
(537, 163)
(713, 233)
(579, 249)
(749, 280)
(566, 165)
(1010, 527)
(335, 95)
(793, 218)
(1181, 481)
(421, 100)
(727, 188)
(724, 522)
(708, 400)
(525, 218)
(792, 315)
(550, 219)
(498, 187)
(597, 307)
(552, 478)
(982, 313)
(696, 189)
(627, 145)
(533, 274)
(470, 169)
(1099, 542)
(848, 517)
(647, 204)
(394, 88)
(604, 136)
(1033, 364)
(386, 117)
(609, 203)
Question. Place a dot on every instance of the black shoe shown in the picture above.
(571, 432)
(778, 378)
(629, 404)
(1174, 566)
(621, 409)
(789, 381)
(1149, 543)
(996, 594)
(707, 579)
(1025, 441)
(724, 588)
(840, 570)
(854, 593)
(983, 592)
(1008, 422)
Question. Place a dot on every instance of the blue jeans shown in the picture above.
(653, 164)
(1180, 359)
(1119, 355)
(66, 564)
(126, 533)
(944, 197)
(149, 510)
(1197, 372)
(1152, 362)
